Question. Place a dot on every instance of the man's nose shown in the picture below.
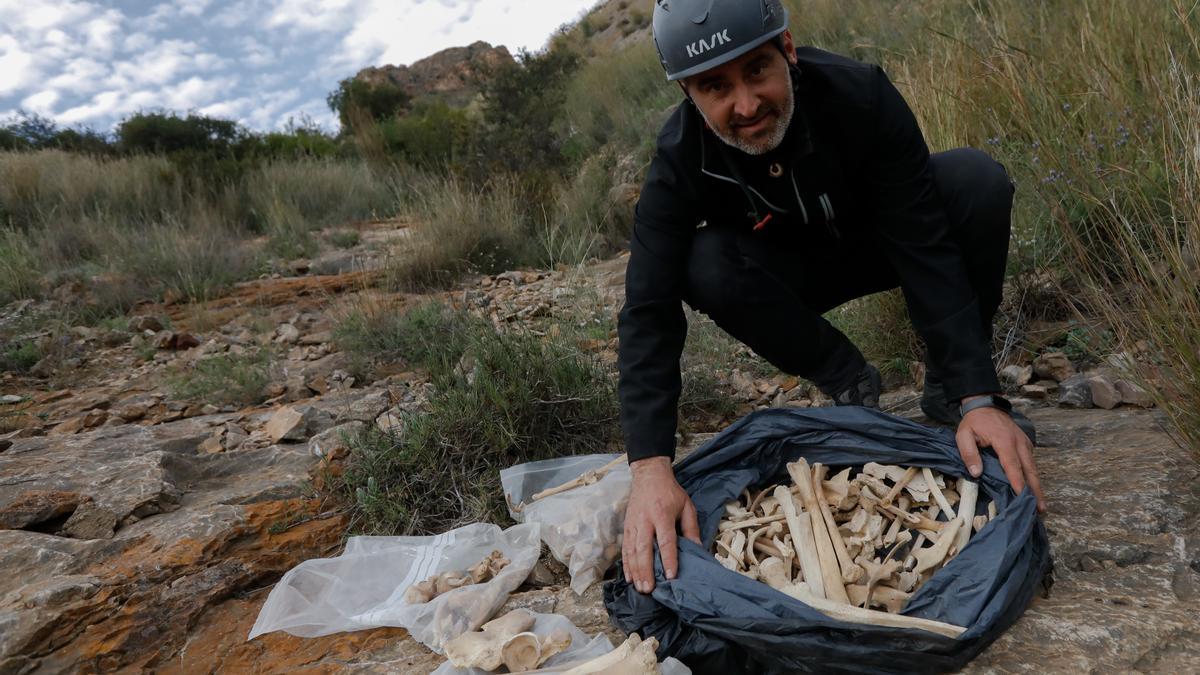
(745, 102)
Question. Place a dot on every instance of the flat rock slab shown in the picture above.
(1124, 524)
(195, 529)
(177, 591)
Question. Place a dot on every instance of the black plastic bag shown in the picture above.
(718, 621)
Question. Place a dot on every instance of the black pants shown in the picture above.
(770, 293)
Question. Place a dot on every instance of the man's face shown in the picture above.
(748, 102)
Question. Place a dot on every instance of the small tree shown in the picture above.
(378, 102)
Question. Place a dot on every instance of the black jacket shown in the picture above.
(860, 161)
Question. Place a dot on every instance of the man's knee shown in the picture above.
(976, 188)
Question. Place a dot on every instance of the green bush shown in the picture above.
(511, 398)
(231, 378)
(464, 229)
(429, 336)
(354, 98)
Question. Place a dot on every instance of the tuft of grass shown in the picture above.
(230, 378)
(430, 336)
(345, 238)
(510, 397)
(462, 230)
(19, 356)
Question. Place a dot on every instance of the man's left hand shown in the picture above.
(992, 427)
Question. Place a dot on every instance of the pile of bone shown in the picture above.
(848, 545)
(507, 642)
(483, 571)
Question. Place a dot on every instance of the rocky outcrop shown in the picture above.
(451, 75)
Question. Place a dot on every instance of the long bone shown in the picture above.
(853, 614)
(937, 494)
(831, 574)
(930, 558)
(588, 478)
(850, 571)
(969, 490)
(802, 540)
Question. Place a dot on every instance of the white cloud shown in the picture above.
(16, 66)
(41, 103)
(163, 63)
(258, 61)
(79, 76)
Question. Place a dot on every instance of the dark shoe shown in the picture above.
(863, 391)
(935, 405)
(937, 408)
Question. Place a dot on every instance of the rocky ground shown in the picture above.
(140, 531)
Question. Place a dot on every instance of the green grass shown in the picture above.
(429, 336)
(345, 238)
(464, 229)
(498, 399)
(238, 379)
(19, 356)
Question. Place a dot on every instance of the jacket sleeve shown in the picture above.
(912, 224)
(652, 326)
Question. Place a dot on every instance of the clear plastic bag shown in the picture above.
(364, 586)
(582, 649)
(583, 526)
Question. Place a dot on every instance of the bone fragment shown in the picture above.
(885, 570)
(738, 548)
(635, 656)
(775, 573)
(874, 487)
(892, 531)
(555, 643)
(831, 574)
(735, 511)
(588, 478)
(903, 581)
(901, 483)
(754, 503)
(483, 648)
(836, 490)
(884, 471)
(853, 614)
(802, 540)
(991, 510)
(850, 572)
(769, 506)
(978, 523)
(752, 522)
(521, 652)
(937, 494)
(930, 558)
(914, 520)
(890, 598)
(969, 490)
(420, 592)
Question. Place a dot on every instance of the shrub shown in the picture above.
(511, 398)
(231, 378)
(374, 101)
(430, 336)
(464, 229)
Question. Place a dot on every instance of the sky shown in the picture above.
(260, 62)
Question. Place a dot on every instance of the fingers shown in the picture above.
(1025, 452)
(690, 522)
(668, 548)
(969, 451)
(637, 552)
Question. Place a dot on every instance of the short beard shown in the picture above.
(773, 141)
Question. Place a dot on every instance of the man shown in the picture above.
(787, 183)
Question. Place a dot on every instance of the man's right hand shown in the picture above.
(656, 503)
